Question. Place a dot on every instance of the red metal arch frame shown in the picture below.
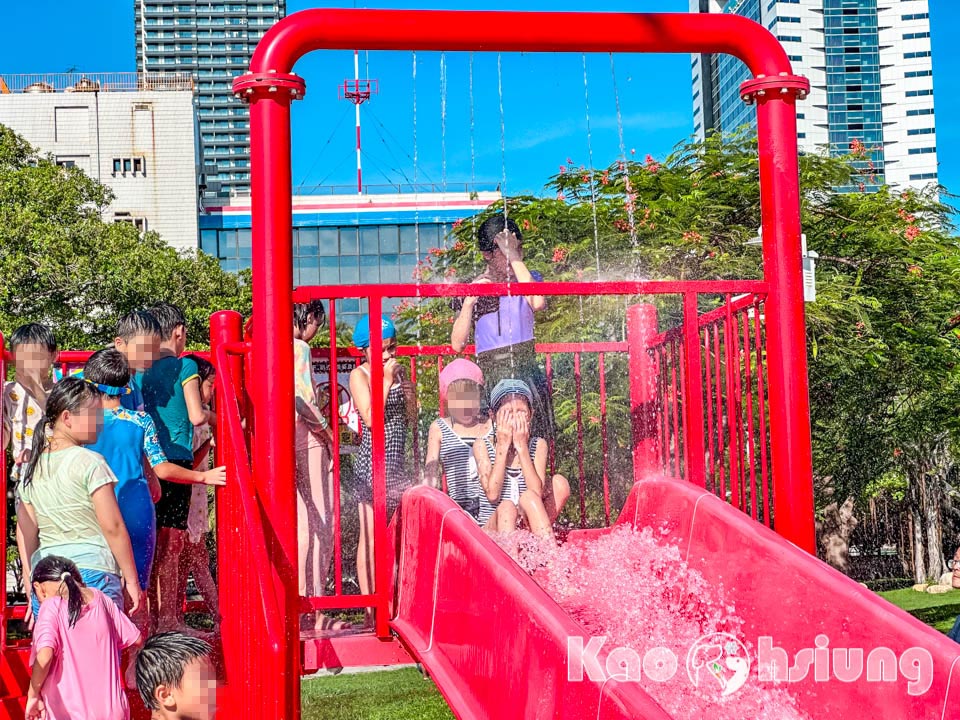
(270, 88)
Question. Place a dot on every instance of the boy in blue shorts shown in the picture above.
(138, 339)
(171, 396)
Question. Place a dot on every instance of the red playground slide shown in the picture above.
(497, 645)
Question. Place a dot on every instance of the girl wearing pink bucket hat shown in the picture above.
(451, 438)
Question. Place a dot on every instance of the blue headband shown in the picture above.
(111, 390)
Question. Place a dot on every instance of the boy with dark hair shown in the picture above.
(171, 395)
(138, 338)
(176, 679)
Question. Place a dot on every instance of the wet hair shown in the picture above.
(493, 226)
(136, 324)
(107, 367)
(301, 311)
(464, 384)
(70, 394)
(205, 368)
(169, 317)
(54, 568)
(33, 334)
(162, 661)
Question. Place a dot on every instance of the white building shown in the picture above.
(137, 136)
(871, 75)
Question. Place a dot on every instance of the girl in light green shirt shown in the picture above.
(67, 502)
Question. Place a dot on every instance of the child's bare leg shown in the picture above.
(365, 553)
(534, 512)
(169, 552)
(506, 516)
(199, 565)
(555, 496)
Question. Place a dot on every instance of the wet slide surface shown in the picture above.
(715, 616)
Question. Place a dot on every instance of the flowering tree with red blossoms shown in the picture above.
(882, 335)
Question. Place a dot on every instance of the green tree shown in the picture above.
(62, 265)
(882, 338)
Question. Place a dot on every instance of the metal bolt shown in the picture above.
(249, 91)
(761, 93)
(272, 88)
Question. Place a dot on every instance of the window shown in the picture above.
(924, 176)
(116, 165)
(919, 54)
(138, 165)
(140, 223)
(787, 19)
(801, 135)
(919, 111)
(917, 16)
(922, 151)
(921, 131)
(801, 116)
(131, 165)
(64, 163)
(789, 38)
(916, 35)
(919, 93)
(918, 73)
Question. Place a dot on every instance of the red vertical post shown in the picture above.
(333, 376)
(381, 571)
(604, 449)
(693, 394)
(269, 95)
(578, 383)
(227, 327)
(792, 459)
(641, 329)
(3, 509)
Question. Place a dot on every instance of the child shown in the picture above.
(399, 409)
(196, 558)
(313, 440)
(76, 648)
(451, 440)
(127, 441)
(138, 338)
(67, 503)
(171, 395)
(512, 467)
(176, 678)
(34, 350)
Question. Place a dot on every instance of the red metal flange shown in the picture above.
(773, 86)
(253, 86)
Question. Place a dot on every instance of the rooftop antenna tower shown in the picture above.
(358, 92)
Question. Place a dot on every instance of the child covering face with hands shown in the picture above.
(513, 467)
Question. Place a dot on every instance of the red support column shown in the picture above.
(693, 400)
(3, 510)
(641, 329)
(269, 95)
(792, 460)
(227, 327)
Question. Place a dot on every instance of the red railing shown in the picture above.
(712, 410)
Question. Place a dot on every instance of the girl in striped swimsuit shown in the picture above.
(512, 467)
(451, 439)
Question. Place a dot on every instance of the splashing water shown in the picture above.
(632, 587)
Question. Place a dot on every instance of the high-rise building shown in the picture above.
(214, 41)
(135, 134)
(871, 75)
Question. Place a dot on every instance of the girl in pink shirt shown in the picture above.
(77, 642)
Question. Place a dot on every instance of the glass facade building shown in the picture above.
(214, 41)
(870, 68)
(346, 240)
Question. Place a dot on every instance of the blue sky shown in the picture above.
(545, 111)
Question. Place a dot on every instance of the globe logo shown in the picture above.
(718, 664)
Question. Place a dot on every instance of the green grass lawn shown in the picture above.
(937, 611)
(389, 695)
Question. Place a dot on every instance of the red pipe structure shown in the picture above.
(270, 87)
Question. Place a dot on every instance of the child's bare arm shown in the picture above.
(171, 472)
(360, 391)
(431, 465)
(38, 676)
(195, 410)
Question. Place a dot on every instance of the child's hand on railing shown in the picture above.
(217, 476)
